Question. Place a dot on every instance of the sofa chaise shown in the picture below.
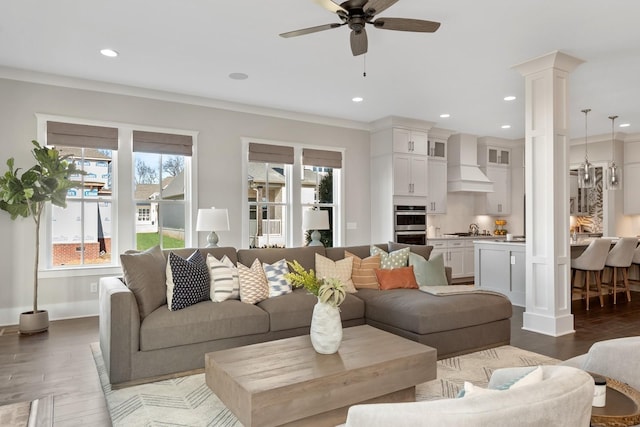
(138, 346)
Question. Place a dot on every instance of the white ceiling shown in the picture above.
(464, 69)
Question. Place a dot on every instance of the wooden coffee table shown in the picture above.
(622, 407)
(286, 382)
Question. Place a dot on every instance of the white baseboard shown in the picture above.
(60, 311)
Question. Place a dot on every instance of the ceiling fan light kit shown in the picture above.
(357, 13)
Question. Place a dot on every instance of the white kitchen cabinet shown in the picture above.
(500, 267)
(498, 156)
(437, 187)
(410, 141)
(456, 253)
(499, 201)
(410, 175)
(631, 179)
(437, 148)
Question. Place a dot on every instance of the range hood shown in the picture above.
(463, 172)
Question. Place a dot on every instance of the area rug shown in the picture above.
(28, 413)
(187, 401)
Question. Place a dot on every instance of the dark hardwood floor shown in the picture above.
(59, 362)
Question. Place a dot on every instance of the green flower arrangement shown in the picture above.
(328, 290)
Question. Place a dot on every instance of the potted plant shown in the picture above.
(25, 195)
(326, 324)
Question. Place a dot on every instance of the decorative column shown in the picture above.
(548, 251)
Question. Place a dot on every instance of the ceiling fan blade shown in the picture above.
(404, 24)
(310, 30)
(330, 6)
(359, 44)
(377, 6)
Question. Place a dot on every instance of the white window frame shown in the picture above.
(123, 205)
(294, 232)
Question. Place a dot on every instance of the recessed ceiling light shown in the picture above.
(238, 76)
(506, 126)
(625, 125)
(445, 116)
(357, 99)
(109, 52)
(509, 98)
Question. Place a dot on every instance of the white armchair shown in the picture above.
(617, 358)
(563, 398)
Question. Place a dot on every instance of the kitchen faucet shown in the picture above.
(474, 229)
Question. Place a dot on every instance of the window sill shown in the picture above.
(102, 270)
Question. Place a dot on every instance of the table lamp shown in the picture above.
(313, 219)
(212, 220)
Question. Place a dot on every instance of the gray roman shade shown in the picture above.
(323, 158)
(162, 143)
(270, 153)
(74, 135)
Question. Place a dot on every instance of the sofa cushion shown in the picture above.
(202, 322)
(396, 278)
(276, 279)
(305, 255)
(422, 313)
(225, 283)
(144, 274)
(389, 260)
(341, 270)
(422, 250)
(294, 310)
(188, 280)
(429, 272)
(363, 274)
(253, 283)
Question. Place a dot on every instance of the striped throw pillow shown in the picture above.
(224, 279)
(363, 272)
(253, 283)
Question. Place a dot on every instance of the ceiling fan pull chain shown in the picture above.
(364, 66)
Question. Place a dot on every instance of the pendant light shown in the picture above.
(613, 172)
(586, 172)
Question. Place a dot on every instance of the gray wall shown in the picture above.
(219, 177)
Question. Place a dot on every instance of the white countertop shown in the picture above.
(466, 238)
(494, 241)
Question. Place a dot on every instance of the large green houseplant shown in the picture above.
(25, 195)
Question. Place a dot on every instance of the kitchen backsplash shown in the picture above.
(460, 214)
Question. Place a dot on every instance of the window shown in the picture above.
(274, 215)
(317, 187)
(81, 233)
(153, 208)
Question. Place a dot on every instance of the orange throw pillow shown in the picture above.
(396, 278)
(362, 274)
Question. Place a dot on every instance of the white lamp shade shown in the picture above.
(212, 220)
(315, 219)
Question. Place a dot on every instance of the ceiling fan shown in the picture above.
(357, 13)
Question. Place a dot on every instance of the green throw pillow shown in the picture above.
(389, 260)
(429, 273)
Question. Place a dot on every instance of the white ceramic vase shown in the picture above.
(326, 328)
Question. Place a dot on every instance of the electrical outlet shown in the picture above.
(94, 287)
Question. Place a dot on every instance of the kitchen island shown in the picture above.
(500, 266)
(457, 252)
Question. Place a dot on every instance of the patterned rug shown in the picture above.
(187, 401)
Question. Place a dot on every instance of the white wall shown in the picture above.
(219, 177)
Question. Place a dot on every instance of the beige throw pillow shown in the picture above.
(253, 283)
(329, 269)
(363, 272)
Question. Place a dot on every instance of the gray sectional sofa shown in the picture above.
(139, 348)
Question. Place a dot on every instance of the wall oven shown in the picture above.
(410, 224)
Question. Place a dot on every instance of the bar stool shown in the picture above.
(592, 260)
(619, 259)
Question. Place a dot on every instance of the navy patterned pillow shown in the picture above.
(188, 281)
